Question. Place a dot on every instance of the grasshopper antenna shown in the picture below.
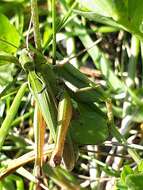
(66, 60)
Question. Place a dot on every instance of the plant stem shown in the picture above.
(11, 114)
(35, 21)
(141, 44)
(61, 24)
(54, 29)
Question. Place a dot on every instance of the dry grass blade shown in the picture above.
(13, 165)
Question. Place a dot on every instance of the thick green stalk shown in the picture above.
(11, 114)
(35, 21)
(54, 29)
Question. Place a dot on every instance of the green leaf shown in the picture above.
(135, 15)
(90, 127)
(126, 171)
(98, 18)
(6, 183)
(120, 186)
(102, 7)
(9, 37)
(123, 13)
(134, 182)
(5, 127)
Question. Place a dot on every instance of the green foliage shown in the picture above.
(131, 179)
(90, 127)
(135, 181)
(9, 42)
(9, 37)
(13, 182)
(126, 171)
(125, 14)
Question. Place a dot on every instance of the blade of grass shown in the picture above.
(141, 44)
(62, 24)
(66, 17)
(22, 118)
(11, 114)
(10, 166)
(54, 30)
(106, 168)
(101, 62)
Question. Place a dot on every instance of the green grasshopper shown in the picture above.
(43, 81)
(44, 96)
